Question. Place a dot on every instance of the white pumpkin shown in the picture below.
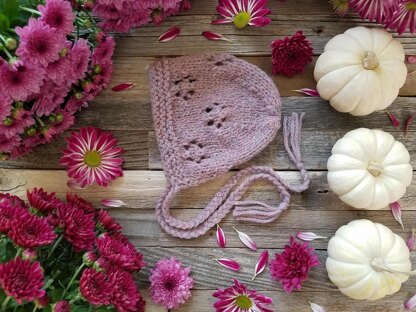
(365, 258)
(361, 71)
(369, 169)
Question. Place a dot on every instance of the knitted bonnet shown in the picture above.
(212, 113)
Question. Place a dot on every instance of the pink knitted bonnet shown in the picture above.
(212, 113)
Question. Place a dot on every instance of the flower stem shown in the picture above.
(75, 299)
(55, 245)
(73, 279)
(41, 123)
(35, 308)
(30, 10)
(5, 302)
(19, 252)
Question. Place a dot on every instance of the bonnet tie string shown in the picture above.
(231, 194)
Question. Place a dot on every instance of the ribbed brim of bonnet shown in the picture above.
(210, 113)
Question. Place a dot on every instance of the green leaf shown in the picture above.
(10, 8)
(4, 22)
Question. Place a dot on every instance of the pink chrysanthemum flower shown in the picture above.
(5, 106)
(58, 15)
(39, 43)
(125, 295)
(7, 145)
(63, 121)
(103, 78)
(404, 17)
(80, 203)
(95, 287)
(22, 279)
(92, 156)
(20, 79)
(58, 71)
(17, 124)
(170, 283)
(243, 13)
(79, 227)
(107, 222)
(61, 306)
(6, 198)
(79, 55)
(29, 231)
(42, 201)
(8, 212)
(238, 298)
(117, 251)
(378, 10)
(50, 98)
(104, 51)
(291, 267)
(291, 55)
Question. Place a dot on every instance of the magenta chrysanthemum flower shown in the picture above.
(8, 212)
(243, 13)
(50, 98)
(58, 15)
(170, 283)
(22, 279)
(58, 71)
(42, 201)
(5, 106)
(15, 201)
(79, 56)
(65, 121)
(17, 124)
(20, 79)
(117, 251)
(238, 298)
(95, 287)
(107, 222)
(378, 10)
(104, 51)
(125, 295)
(61, 306)
(7, 145)
(291, 267)
(29, 231)
(92, 157)
(80, 203)
(79, 227)
(404, 17)
(39, 43)
(291, 55)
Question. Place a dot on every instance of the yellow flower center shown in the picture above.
(410, 6)
(241, 20)
(243, 302)
(92, 158)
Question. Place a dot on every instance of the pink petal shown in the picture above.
(221, 237)
(410, 304)
(112, 203)
(170, 34)
(261, 264)
(74, 185)
(316, 308)
(229, 264)
(408, 123)
(307, 91)
(246, 240)
(397, 212)
(214, 36)
(411, 241)
(393, 119)
(123, 86)
(411, 59)
(222, 21)
(308, 236)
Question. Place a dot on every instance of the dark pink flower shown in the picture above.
(64, 120)
(10, 208)
(238, 298)
(20, 120)
(125, 295)
(15, 201)
(42, 201)
(89, 258)
(39, 43)
(107, 222)
(95, 287)
(80, 56)
(5, 106)
(43, 301)
(170, 283)
(58, 71)
(78, 227)
(291, 55)
(22, 279)
(404, 17)
(58, 15)
(7, 145)
(20, 79)
(50, 98)
(61, 306)
(29, 231)
(80, 203)
(104, 51)
(119, 252)
(92, 156)
(291, 267)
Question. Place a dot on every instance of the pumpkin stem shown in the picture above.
(375, 169)
(378, 265)
(370, 60)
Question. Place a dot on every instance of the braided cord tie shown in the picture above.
(234, 190)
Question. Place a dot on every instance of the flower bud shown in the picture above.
(89, 258)
(11, 44)
(63, 52)
(78, 95)
(43, 301)
(18, 104)
(86, 85)
(51, 119)
(31, 131)
(7, 122)
(61, 306)
(99, 264)
(29, 254)
(59, 117)
(97, 69)
(44, 130)
(88, 4)
(4, 156)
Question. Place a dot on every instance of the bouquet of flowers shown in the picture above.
(64, 256)
(53, 60)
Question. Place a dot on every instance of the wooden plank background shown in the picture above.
(128, 115)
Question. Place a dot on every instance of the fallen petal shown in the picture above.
(410, 304)
(229, 264)
(307, 91)
(123, 86)
(411, 241)
(308, 236)
(221, 237)
(246, 240)
(74, 185)
(170, 34)
(397, 213)
(214, 36)
(316, 308)
(408, 123)
(411, 59)
(261, 264)
(112, 203)
(395, 122)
